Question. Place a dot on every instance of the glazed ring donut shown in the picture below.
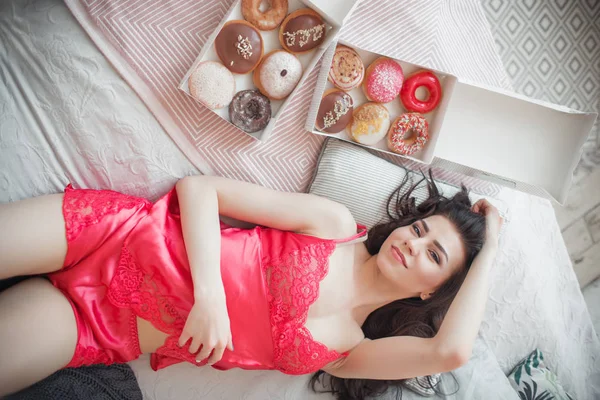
(403, 125)
(250, 110)
(267, 20)
(429, 81)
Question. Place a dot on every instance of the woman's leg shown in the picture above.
(32, 236)
(38, 334)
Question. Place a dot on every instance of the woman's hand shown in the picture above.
(493, 220)
(208, 326)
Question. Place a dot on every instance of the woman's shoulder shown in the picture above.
(340, 224)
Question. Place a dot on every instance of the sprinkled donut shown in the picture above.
(212, 84)
(278, 74)
(370, 123)
(335, 111)
(383, 81)
(239, 46)
(250, 111)
(429, 81)
(302, 30)
(267, 20)
(409, 122)
(347, 69)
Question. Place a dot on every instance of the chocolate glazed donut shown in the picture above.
(250, 111)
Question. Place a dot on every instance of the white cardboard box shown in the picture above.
(487, 133)
(334, 12)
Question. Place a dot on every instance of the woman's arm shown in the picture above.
(201, 200)
(298, 212)
(403, 357)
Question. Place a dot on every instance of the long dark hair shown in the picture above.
(413, 316)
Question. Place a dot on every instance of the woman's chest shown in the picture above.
(337, 288)
(330, 319)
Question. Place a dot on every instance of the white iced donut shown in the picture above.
(278, 74)
(212, 84)
(370, 123)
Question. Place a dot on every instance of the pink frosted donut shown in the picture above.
(408, 123)
(383, 80)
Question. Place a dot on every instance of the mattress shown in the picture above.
(67, 116)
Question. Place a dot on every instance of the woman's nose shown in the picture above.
(411, 246)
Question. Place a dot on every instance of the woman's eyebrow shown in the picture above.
(435, 242)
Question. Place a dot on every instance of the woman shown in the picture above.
(299, 293)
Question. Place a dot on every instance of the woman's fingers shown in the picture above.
(479, 206)
(204, 353)
(195, 346)
(183, 338)
(216, 355)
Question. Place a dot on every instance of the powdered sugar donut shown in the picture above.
(212, 84)
(383, 81)
(278, 74)
(347, 69)
(412, 124)
(370, 123)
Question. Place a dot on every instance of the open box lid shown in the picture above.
(513, 140)
(337, 11)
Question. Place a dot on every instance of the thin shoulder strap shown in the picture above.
(360, 236)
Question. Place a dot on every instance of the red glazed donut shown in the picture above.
(397, 140)
(408, 96)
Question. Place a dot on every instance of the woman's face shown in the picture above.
(418, 258)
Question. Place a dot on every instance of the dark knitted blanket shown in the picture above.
(98, 382)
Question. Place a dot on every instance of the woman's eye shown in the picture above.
(435, 257)
(417, 230)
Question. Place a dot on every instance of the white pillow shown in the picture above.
(363, 182)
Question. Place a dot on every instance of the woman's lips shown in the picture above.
(399, 256)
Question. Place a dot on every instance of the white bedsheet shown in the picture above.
(66, 116)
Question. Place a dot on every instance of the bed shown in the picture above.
(67, 116)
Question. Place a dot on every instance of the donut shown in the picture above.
(335, 111)
(265, 20)
(278, 74)
(383, 80)
(347, 69)
(239, 46)
(429, 81)
(250, 110)
(408, 123)
(302, 30)
(212, 84)
(370, 123)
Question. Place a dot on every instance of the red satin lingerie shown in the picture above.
(126, 258)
